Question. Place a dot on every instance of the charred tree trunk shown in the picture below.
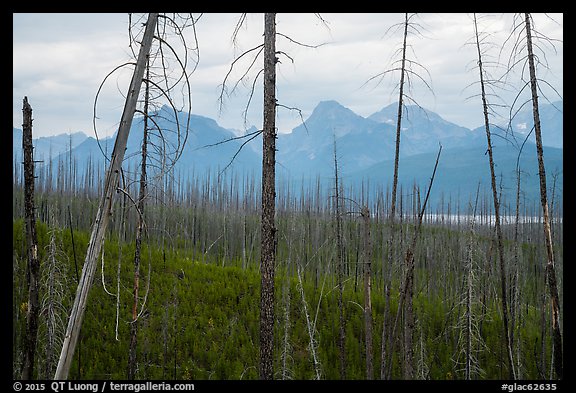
(268, 229)
(132, 361)
(105, 205)
(286, 350)
(399, 120)
(386, 356)
(550, 269)
(340, 271)
(407, 289)
(469, 325)
(32, 275)
(367, 293)
(409, 284)
(409, 316)
(500, 241)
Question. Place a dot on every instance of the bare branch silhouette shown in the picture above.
(223, 92)
(300, 43)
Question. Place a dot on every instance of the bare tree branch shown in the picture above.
(237, 59)
(300, 43)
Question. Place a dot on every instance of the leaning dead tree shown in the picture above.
(105, 205)
(33, 271)
(164, 136)
(408, 290)
(407, 287)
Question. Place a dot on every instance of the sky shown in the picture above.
(61, 60)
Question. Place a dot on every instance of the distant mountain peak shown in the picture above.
(389, 114)
(330, 118)
(331, 109)
(327, 104)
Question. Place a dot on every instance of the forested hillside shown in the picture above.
(200, 315)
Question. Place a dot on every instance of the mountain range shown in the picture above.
(364, 148)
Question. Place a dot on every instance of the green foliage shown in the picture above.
(200, 319)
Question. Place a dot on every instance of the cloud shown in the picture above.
(61, 59)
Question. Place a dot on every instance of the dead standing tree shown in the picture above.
(164, 137)
(533, 61)
(33, 271)
(550, 268)
(268, 231)
(365, 213)
(406, 69)
(268, 237)
(105, 206)
(499, 236)
(132, 362)
(339, 267)
(53, 312)
(407, 290)
(525, 41)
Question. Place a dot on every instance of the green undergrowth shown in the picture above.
(200, 320)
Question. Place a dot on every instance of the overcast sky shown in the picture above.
(60, 60)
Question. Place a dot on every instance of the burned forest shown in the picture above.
(178, 250)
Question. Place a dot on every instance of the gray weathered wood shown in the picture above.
(105, 206)
(550, 268)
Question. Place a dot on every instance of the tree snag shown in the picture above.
(268, 230)
(33, 271)
(550, 269)
(105, 205)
